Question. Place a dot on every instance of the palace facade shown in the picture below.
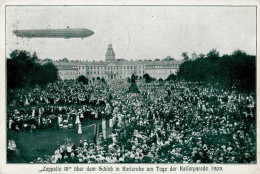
(113, 68)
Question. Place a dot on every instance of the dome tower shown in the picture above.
(110, 54)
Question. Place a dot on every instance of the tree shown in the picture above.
(82, 79)
(201, 55)
(65, 60)
(43, 74)
(243, 68)
(147, 78)
(171, 77)
(24, 72)
(160, 80)
(93, 79)
(156, 59)
(47, 60)
(239, 53)
(18, 69)
(168, 58)
(185, 56)
(235, 70)
(213, 54)
(50, 72)
(103, 80)
(34, 56)
(98, 78)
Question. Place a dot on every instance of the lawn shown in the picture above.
(44, 142)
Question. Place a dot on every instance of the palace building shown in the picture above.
(113, 68)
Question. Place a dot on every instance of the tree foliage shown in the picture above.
(168, 58)
(235, 70)
(82, 79)
(24, 71)
(65, 60)
(185, 56)
(201, 55)
(103, 80)
(171, 77)
(148, 78)
(47, 60)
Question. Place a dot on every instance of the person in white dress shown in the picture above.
(79, 128)
(10, 123)
(77, 120)
(110, 122)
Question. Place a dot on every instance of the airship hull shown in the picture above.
(54, 33)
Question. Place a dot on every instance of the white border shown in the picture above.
(34, 168)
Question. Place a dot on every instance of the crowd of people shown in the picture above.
(41, 108)
(166, 122)
(43, 117)
(61, 93)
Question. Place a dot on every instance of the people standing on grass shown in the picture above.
(181, 122)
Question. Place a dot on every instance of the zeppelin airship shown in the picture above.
(54, 33)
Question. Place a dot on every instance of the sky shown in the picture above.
(136, 32)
